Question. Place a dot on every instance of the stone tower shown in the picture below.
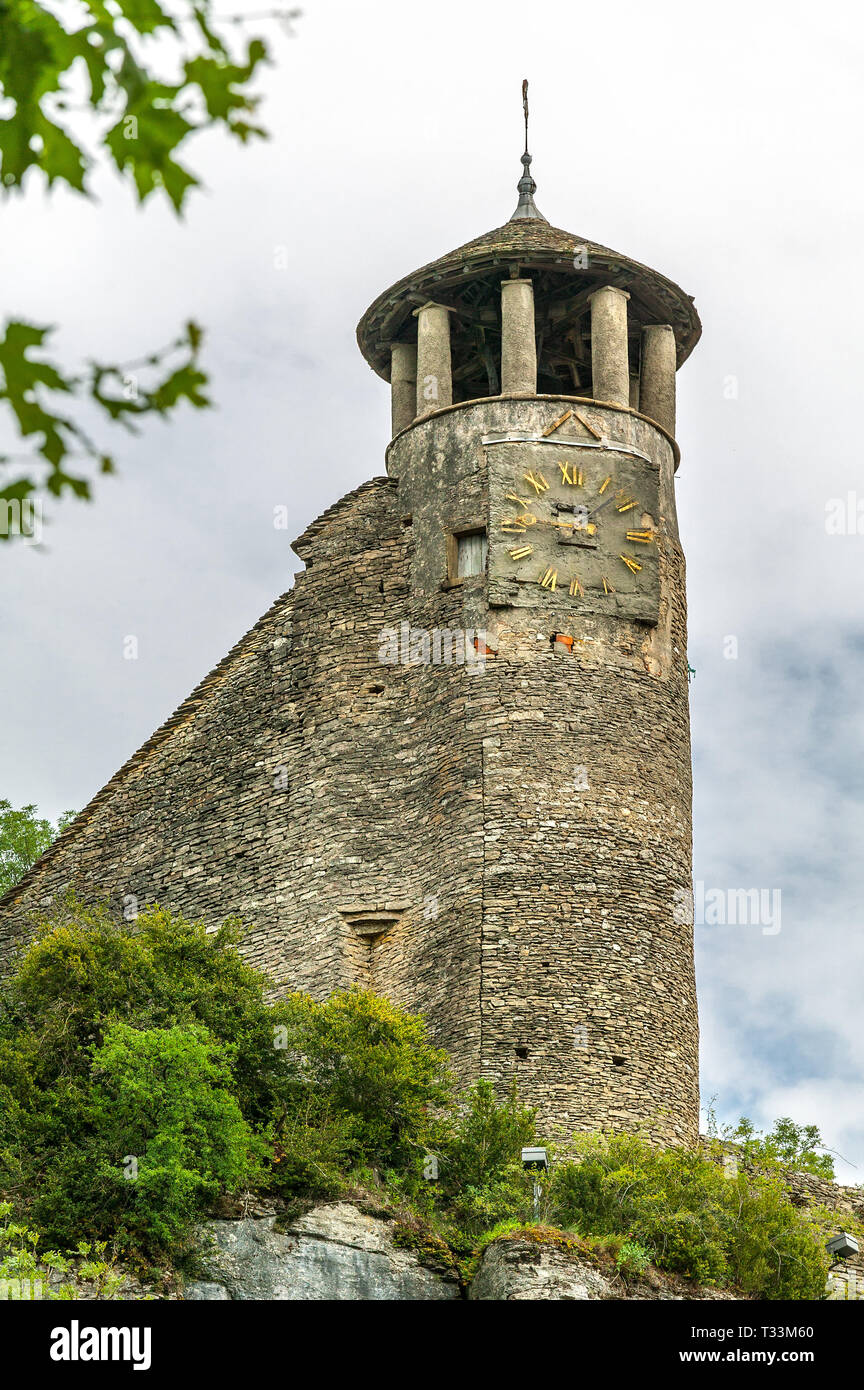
(452, 763)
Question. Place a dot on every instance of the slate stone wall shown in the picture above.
(423, 827)
(587, 982)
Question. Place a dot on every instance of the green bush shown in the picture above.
(145, 1143)
(153, 1040)
(691, 1217)
(483, 1182)
(85, 969)
(52, 1275)
(362, 1084)
(633, 1258)
(786, 1145)
(313, 1150)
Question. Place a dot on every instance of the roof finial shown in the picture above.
(526, 207)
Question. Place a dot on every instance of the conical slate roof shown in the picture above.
(566, 269)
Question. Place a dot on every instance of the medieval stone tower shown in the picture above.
(452, 763)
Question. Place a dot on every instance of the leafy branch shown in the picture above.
(44, 65)
(28, 384)
(102, 60)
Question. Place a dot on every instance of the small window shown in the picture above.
(471, 551)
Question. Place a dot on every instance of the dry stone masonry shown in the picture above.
(452, 762)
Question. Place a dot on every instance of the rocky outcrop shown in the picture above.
(546, 1266)
(334, 1252)
(522, 1270)
(338, 1252)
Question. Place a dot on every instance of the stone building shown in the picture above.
(452, 763)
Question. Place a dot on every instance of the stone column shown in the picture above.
(403, 385)
(434, 374)
(657, 377)
(518, 347)
(609, 361)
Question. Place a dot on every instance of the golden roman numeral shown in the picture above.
(550, 429)
(509, 529)
(549, 579)
(576, 590)
(625, 503)
(521, 552)
(537, 481)
(605, 483)
(607, 587)
(587, 425)
(632, 565)
(575, 479)
(511, 497)
(646, 537)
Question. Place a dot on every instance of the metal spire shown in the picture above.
(526, 207)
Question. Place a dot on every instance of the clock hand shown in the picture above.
(599, 508)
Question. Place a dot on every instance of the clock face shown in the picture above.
(574, 526)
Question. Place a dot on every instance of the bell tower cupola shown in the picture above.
(530, 309)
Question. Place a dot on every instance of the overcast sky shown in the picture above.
(720, 145)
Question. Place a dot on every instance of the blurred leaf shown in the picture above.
(150, 80)
(27, 386)
(149, 117)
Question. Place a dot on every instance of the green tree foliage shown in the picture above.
(363, 1085)
(145, 1142)
(162, 1101)
(85, 969)
(146, 1040)
(692, 1217)
(143, 1073)
(483, 1182)
(29, 384)
(127, 83)
(106, 60)
(153, 1040)
(786, 1145)
(24, 836)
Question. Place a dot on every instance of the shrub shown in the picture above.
(362, 1075)
(23, 1276)
(313, 1149)
(633, 1258)
(152, 1039)
(482, 1180)
(787, 1145)
(154, 1137)
(691, 1217)
(489, 1137)
(84, 969)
